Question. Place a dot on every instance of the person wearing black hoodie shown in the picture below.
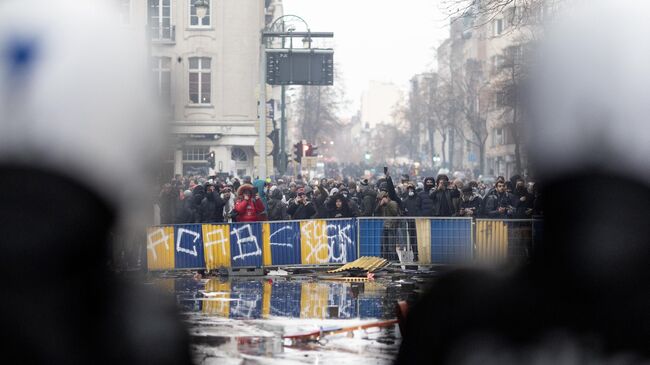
(339, 207)
(277, 208)
(368, 199)
(211, 208)
(427, 203)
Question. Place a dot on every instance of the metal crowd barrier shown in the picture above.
(339, 241)
(255, 244)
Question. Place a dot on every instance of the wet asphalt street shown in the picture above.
(242, 320)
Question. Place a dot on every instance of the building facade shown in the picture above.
(206, 71)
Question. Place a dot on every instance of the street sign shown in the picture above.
(300, 66)
(309, 163)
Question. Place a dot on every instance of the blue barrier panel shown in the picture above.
(370, 236)
(451, 241)
(188, 246)
(285, 299)
(370, 308)
(246, 300)
(285, 243)
(246, 244)
(342, 238)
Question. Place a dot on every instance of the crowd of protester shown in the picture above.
(196, 199)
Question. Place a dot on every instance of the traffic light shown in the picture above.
(310, 151)
(297, 152)
(211, 159)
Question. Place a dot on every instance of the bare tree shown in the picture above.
(316, 112)
(518, 13)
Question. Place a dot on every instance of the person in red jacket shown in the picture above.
(248, 206)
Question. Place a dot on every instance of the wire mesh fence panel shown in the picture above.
(402, 239)
(370, 237)
(498, 241)
(451, 240)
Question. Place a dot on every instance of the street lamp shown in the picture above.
(201, 7)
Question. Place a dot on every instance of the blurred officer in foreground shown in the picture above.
(75, 116)
(584, 298)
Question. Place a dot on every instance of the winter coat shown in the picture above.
(259, 184)
(184, 213)
(474, 203)
(301, 211)
(426, 207)
(248, 210)
(522, 201)
(167, 203)
(343, 212)
(495, 201)
(412, 206)
(211, 208)
(198, 194)
(321, 202)
(441, 197)
(368, 203)
(390, 209)
(277, 208)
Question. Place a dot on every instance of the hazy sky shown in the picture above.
(376, 39)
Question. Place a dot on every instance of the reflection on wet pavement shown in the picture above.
(243, 320)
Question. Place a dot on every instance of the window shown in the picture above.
(195, 153)
(160, 19)
(200, 80)
(162, 77)
(497, 27)
(195, 22)
(498, 137)
(238, 155)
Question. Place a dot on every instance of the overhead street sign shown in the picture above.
(300, 66)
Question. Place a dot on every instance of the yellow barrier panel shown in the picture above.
(160, 248)
(266, 299)
(313, 242)
(491, 241)
(216, 245)
(423, 231)
(266, 248)
(218, 301)
(313, 300)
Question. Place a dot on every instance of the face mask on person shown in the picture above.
(411, 193)
(345, 195)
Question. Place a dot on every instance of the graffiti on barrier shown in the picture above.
(326, 242)
(162, 238)
(245, 237)
(286, 239)
(179, 248)
(216, 237)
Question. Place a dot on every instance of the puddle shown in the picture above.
(243, 320)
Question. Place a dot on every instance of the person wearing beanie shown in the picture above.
(425, 196)
(470, 203)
